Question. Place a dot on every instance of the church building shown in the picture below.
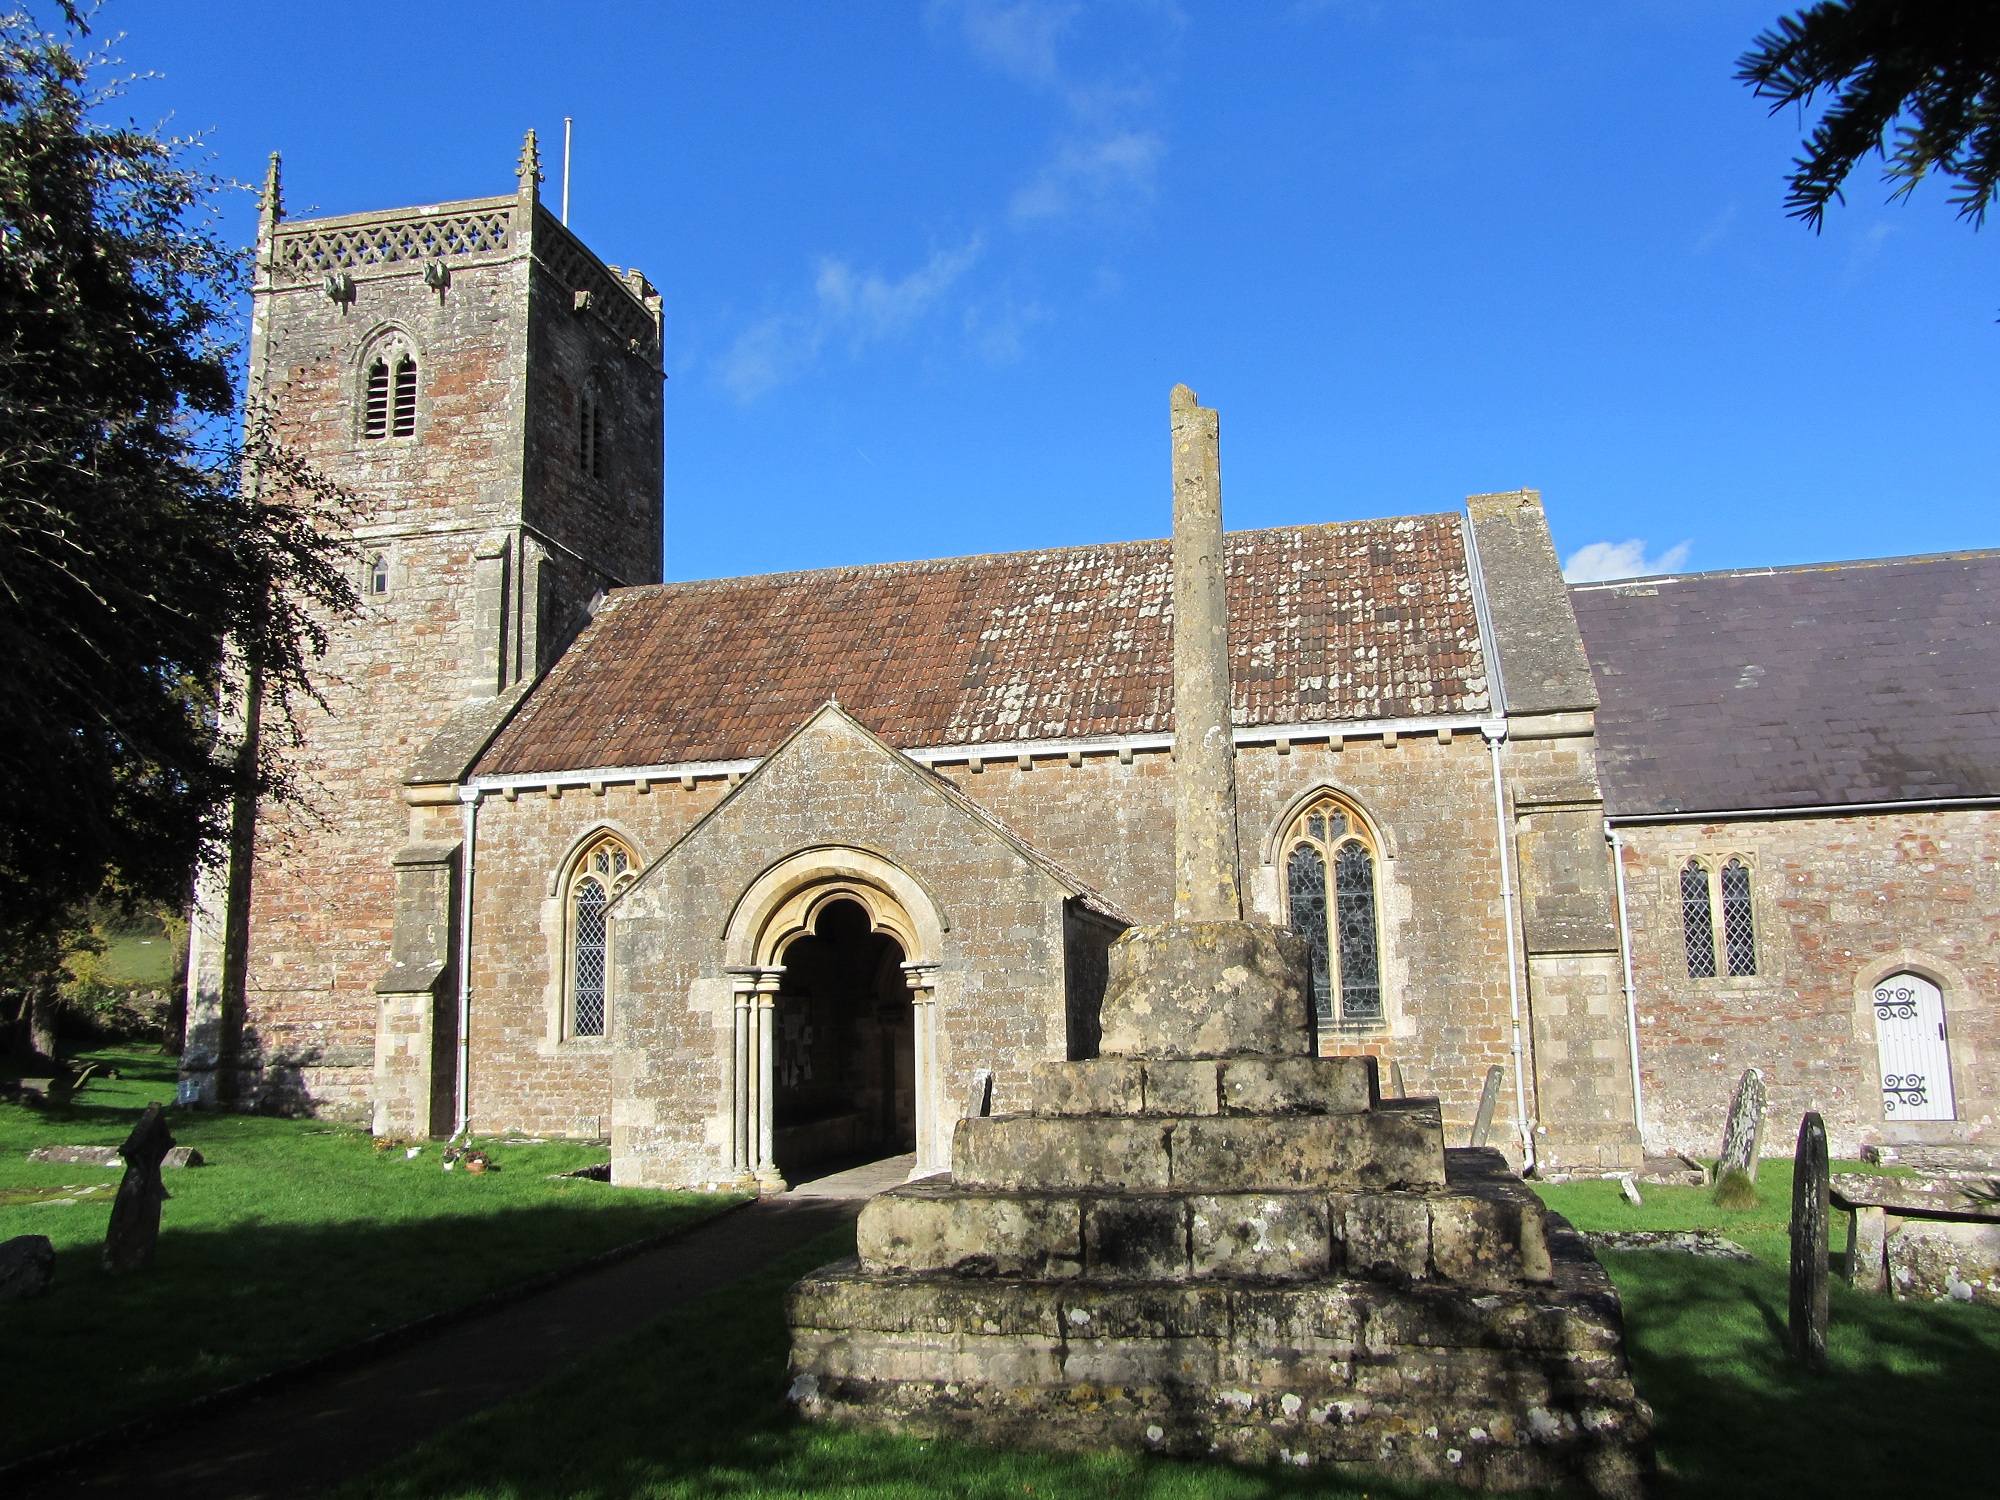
(755, 876)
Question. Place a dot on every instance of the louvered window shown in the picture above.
(1697, 920)
(404, 423)
(1739, 926)
(590, 439)
(605, 869)
(375, 403)
(1341, 934)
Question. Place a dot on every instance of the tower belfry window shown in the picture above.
(590, 438)
(389, 396)
(375, 404)
(405, 421)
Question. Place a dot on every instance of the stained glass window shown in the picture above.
(605, 869)
(1739, 929)
(1697, 921)
(1354, 905)
(1305, 880)
(1339, 926)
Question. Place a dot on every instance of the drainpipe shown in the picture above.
(468, 812)
(1493, 739)
(1625, 952)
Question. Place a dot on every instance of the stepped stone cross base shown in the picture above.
(1199, 1247)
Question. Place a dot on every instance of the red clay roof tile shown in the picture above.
(1360, 620)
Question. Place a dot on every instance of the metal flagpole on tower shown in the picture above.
(566, 125)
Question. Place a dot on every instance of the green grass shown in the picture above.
(691, 1408)
(297, 1239)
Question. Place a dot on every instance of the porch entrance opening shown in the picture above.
(844, 1054)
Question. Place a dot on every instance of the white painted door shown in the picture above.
(1910, 1045)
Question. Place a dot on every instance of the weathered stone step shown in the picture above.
(1155, 1153)
(1477, 1238)
(1207, 1086)
(1499, 1389)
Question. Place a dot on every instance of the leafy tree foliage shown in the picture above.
(1932, 64)
(152, 561)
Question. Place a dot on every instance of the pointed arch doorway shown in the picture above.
(834, 1052)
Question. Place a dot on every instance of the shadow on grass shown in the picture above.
(239, 1299)
(692, 1408)
(1906, 1406)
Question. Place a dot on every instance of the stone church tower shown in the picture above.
(489, 392)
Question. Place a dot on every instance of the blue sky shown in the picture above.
(930, 269)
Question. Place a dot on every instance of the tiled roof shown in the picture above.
(1362, 620)
(1797, 687)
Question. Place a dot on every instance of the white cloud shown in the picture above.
(1712, 236)
(1602, 561)
(1105, 156)
(1018, 38)
(1091, 172)
(850, 307)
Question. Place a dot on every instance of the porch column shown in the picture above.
(742, 1077)
(933, 1131)
(766, 1079)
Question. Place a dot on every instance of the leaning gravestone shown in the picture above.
(135, 1213)
(1743, 1136)
(1810, 1212)
(1489, 1096)
(27, 1267)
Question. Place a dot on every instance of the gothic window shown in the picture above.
(378, 574)
(590, 438)
(1697, 921)
(389, 395)
(1341, 932)
(604, 869)
(1739, 929)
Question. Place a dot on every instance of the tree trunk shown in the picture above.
(38, 1015)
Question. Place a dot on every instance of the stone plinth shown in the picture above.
(1253, 1257)
(1207, 989)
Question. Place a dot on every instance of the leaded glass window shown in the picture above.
(1305, 886)
(1342, 935)
(604, 870)
(1354, 902)
(1697, 920)
(1739, 927)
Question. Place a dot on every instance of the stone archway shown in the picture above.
(799, 900)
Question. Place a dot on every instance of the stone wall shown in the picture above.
(1840, 902)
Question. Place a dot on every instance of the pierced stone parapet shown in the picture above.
(310, 252)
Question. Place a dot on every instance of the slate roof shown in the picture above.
(1814, 686)
(1355, 621)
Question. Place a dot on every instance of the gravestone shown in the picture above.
(1743, 1136)
(1488, 1097)
(135, 1213)
(980, 1103)
(78, 1156)
(1396, 1081)
(1810, 1212)
(27, 1267)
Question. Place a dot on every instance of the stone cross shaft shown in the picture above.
(1206, 886)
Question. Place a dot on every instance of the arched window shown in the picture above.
(1739, 926)
(603, 870)
(389, 395)
(1342, 931)
(378, 574)
(1697, 920)
(590, 438)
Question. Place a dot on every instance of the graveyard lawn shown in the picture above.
(296, 1239)
(692, 1408)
